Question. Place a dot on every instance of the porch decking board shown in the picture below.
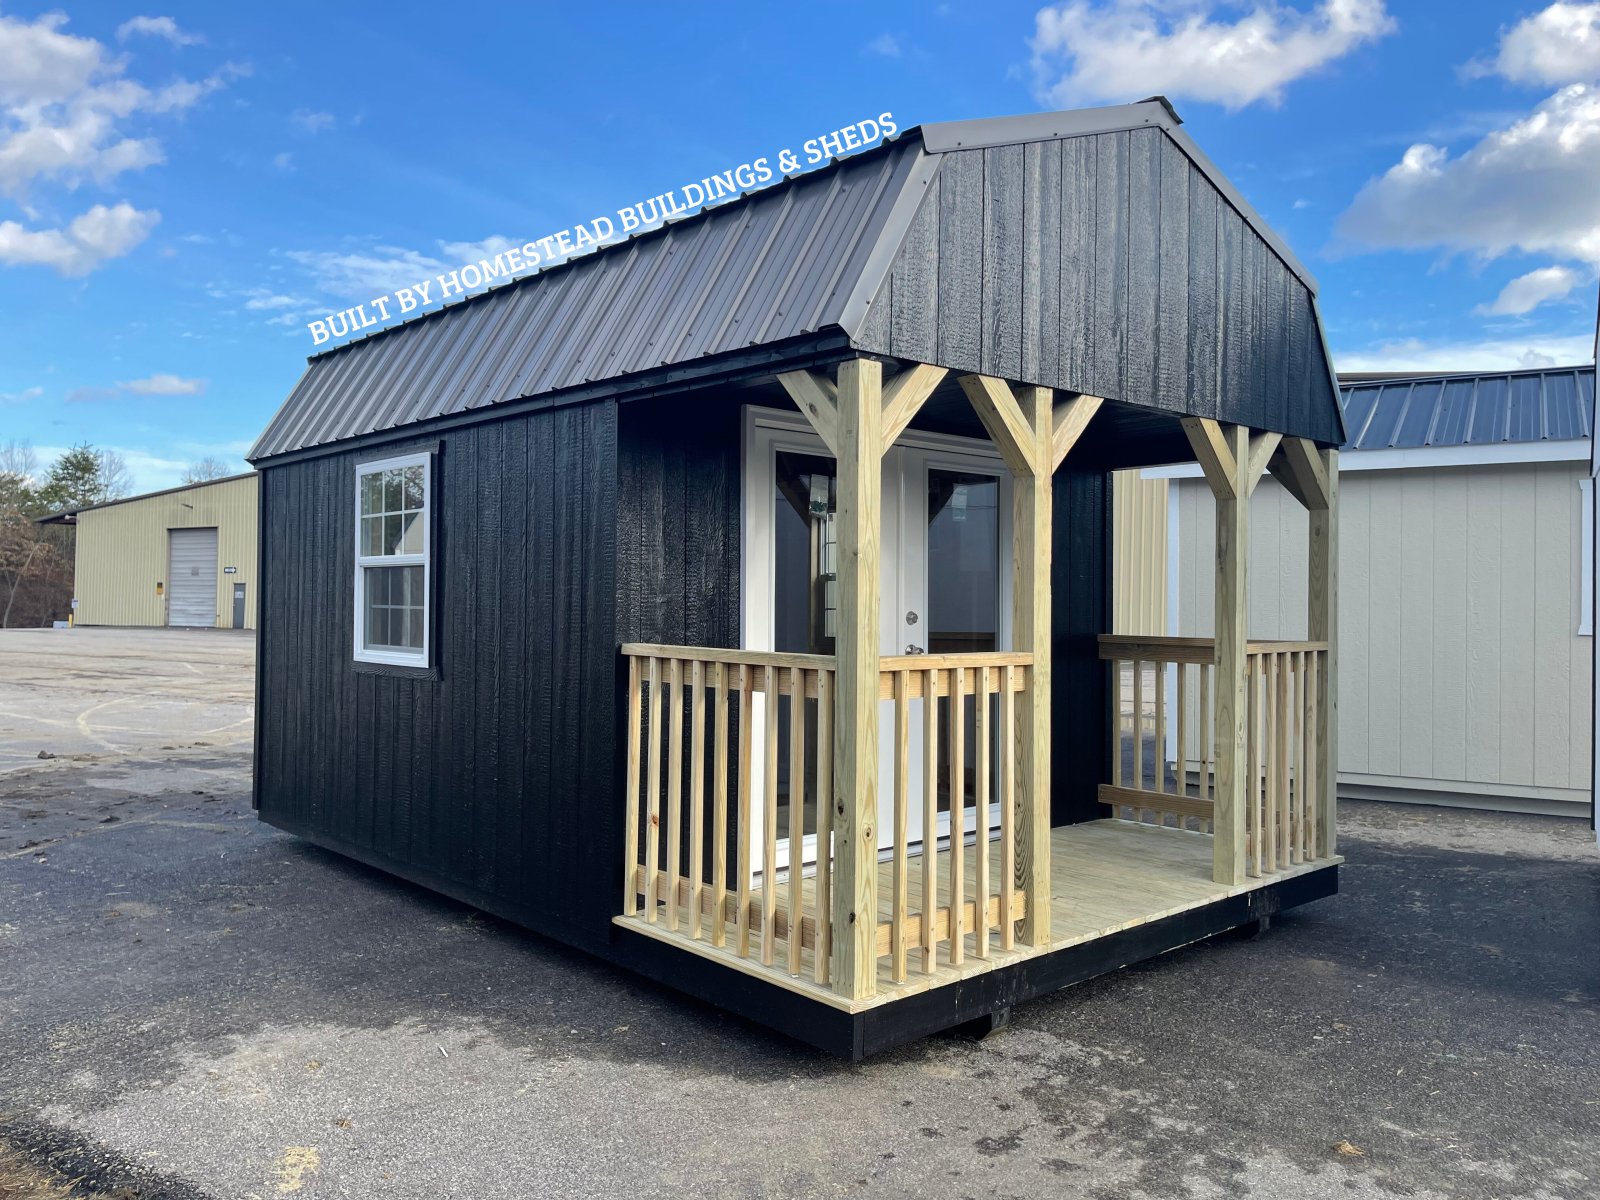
(1107, 876)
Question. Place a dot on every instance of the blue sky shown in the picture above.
(183, 187)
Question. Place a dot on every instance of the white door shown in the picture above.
(192, 577)
(945, 577)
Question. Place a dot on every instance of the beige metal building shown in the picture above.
(185, 556)
(1466, 602)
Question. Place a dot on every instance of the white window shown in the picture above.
(393, 560)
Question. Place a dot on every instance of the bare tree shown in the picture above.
(208, 468)
(116, 481)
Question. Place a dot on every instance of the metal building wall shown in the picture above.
(1462, 677)
(1139, 554)
(122, 552)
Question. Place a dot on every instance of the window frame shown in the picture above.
(422, 658)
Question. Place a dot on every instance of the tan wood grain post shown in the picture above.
(855, 731)
(1223, 454)
(1030, 631)
(1322, 625)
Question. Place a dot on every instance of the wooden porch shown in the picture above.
(1106, 877)
(859, 828)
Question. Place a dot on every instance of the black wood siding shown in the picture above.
(492, 782)
(1106, 264)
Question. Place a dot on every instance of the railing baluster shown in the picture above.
(719, 808)
(1116, 722)
(1314, 798)
(1285, 685)
(1180, 767)
(747, 769)
(902, 772)
(1161, 733)
(697, 793)
(980, 863)
(652, 828)
(930, 819)
(1207, 735)
(674, 787)
(1138, 730)
(1252, 763)
(958, 814)
(1008, 802)
(1297, 748)
(824, 881)
(769, 823)
(630, 834)
(797, 812)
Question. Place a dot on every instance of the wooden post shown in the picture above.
(855, 730)
(1033, 438)
(1223, 454)
(1030, 631)
(1322, 625)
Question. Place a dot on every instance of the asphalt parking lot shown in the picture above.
(193, 1004)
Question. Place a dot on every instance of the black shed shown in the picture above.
(732, 602)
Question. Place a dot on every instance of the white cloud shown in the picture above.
(1527, 292)
(1133, 48)
(312, 122)
(284, 161)
(22, 397)
(90, 240)
(885, 44)
(163, 385)
(1560, 44)
(162, 27)
(66, 102)
(1504, 354)
(1530, 187)
(364, 273)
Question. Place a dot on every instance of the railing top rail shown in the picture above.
(738, 658)
(1283, 647)
(1188, 649)
(943, 662)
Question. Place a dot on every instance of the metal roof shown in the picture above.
(68, 516)
(797, 258)
(1552, 404)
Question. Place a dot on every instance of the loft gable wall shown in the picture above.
(1109, 264)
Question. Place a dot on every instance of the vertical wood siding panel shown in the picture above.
(1298, 357)
(1484, 571)
(1003, 264)
(1110, 283)
(1233, 265)
(516, 586)
(541, 684)
(1144, 265)
(1383, 667)
(1205, 298)
(1518, 641)
(1417, 616)
(601, 798)
(1172, 324)
(914, 323)
(1038, 271)
(1449, 624)
(1552, 598)
(567, 646)
(961, 260)
(1356, 570)
(1077, 308)
(489, 621)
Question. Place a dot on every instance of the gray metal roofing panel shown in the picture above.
(1554, 404)
(764, 269)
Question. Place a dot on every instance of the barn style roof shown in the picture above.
(1091, 251)
(1551, 404)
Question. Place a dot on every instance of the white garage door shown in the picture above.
(192, 577)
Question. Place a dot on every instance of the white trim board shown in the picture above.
(1422, 457)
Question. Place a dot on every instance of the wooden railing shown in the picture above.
(1142, 699)
(714, 855)
(1281, 815)
(1167, 684)
(978, 717)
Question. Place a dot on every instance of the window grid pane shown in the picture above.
(395, 615)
